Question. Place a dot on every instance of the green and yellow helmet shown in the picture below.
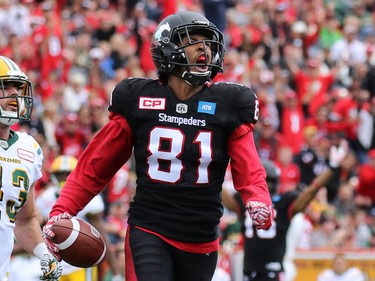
(60, 169)
(11, 74)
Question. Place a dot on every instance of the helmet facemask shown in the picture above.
(58, 179)
(60, 169)
(213, 63)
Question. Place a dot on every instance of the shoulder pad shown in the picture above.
(124, 96)
(242, 99)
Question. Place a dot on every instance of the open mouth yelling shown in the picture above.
(201, 61)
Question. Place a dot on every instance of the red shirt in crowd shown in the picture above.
(366, 177)
(292, 121)
(345, 112)
(317, 87)
(71, 140)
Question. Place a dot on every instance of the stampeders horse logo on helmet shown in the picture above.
(160, 30)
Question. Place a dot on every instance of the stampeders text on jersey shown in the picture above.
(181, 121)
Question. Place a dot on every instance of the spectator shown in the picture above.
(268, 140)
(366, 180)
(75, 90)
(362, 232)
(344, 114)
(327, 234)
(330, 32)
(343, 201)
(320, 120)
(347, 174)
(116, 221)
(70, 137)
(307, 158)
(50, 40)
(366, 125)
(349, 48)
(341, 271)
(368, 83)
(234, 68)
(292, 121)
(50, 121)
(122, 185)
(106, 27)
(215, 11)
(311, 82)
(290, 175)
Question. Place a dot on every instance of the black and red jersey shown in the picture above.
(181, 150)
(265, 249)
(181, 153)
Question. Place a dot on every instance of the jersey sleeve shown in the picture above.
(249, 176)
(107, 152)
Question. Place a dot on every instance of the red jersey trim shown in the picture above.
(194, 248)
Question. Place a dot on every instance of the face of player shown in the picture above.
(199, 53)
(10, 89)
(59, 180)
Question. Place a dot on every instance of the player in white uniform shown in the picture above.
(61, 167)
(20, 167)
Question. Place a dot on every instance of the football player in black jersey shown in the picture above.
(183, 132)
(264, 250)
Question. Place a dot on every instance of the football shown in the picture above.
(79, 242)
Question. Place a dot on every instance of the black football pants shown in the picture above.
(154, 259)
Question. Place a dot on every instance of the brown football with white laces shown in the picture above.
(79, 242)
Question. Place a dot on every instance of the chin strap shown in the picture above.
(8, 117)
(196, 78)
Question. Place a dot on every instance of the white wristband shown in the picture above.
(40, 250)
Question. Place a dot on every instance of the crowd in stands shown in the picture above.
(311, 64)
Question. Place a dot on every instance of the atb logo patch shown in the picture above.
(207, 107)
(151, 103)
(181, 108)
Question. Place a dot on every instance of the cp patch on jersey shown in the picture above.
(151, 103)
